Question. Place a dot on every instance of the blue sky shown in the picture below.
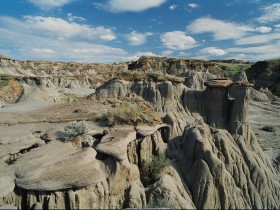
(106, 31)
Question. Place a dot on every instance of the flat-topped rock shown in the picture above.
(115, 143)
(7, 185)
(145, 130)
(13, 141)
(218, 83)
(57, 166)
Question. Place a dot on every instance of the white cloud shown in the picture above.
(213, 51)
(264, 29)
(277, 28)
(49, 4)
(43, 50)
(136, 39)
(258, 39)
(97, 50)
(261, 52)
(167, 52)
(177, 40)
(138, 55)
(220, 29)
(271, 13)
(50, 26)
(173, 6)
(223, 30)
(193, 5)
(72, 18)
(130, 5)
(40, 42)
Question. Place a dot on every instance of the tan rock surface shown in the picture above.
(57, 166)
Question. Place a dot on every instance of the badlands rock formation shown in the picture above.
(211, 141)
(215, 160)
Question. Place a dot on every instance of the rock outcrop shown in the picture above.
(216, 151)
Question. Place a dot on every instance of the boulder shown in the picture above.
(57, 166)
(115, 143)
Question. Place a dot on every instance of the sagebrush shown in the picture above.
(161, 203)
(150, 172)
(74, 128)
(126, 113)
(269, 128)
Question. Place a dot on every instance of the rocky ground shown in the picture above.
(262, 114)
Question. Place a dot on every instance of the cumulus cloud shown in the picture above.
(43, 50)
(50, 26)
(138, 55)
(264, 29)
(258, 39)
(254, 50)
(271, 13)
(167, 52)
(72, 18)
(56, 39)
(223, 30)
(130, 5)
(213, 51)
(173, 6)
(49, 4)
(220, 29)
(177, 40)
(136, 39)
(277, 28)
(97, 50)
(193, 5)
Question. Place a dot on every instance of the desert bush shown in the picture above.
(161, 203)
(150, 172)
(155, 75)
(74, 128)
(3, 83)
(269, 128)
(126, 113)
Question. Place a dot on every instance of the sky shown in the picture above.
(107, 31)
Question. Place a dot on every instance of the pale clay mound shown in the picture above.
(216, 160)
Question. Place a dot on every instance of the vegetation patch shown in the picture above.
(69, 97)
(4, 83)
(269, 128)
(161, 203)
(232, 69)
(127, 113)
(150, 172)
(74, 129)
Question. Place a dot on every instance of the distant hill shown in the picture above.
(266, 74)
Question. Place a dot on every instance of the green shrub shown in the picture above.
(232, 69)
(74, 128)
(155, 75)
(161, 203)
(269, 128)
(150, 173)
(126, 113)
(3, 83)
